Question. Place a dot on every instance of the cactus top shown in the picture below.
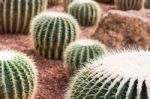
(130, 64)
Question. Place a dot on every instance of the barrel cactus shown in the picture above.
(81, 52)
(15, 15)
(129, 4)
(124, 75)
(18, 76)
(147, 4)
(87, 12)
(54, 2)
(52, 32)
(66, 4)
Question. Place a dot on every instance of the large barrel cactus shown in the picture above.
(18, 76)
(147, 4)
(52, 32)
(15, 15)
(81, 52)
(129, 4)
(66, 4)
(87, 12)
(123, 75)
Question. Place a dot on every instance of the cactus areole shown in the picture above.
(17, 76)
(125, 75)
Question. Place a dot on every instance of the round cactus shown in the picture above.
(81, 52)
(15, 15)
(87, 12)
(147, 4)
(66, 4)
(54, 2)
(129, 4)
(124, 75)
(52, 32)
(18, 76)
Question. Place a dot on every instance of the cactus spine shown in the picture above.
(119, 76)
(87, 12)
(147, 4)
(18, 76)
(15, 15)
(66, 4)
(129, 4)
(81, 52)
(52, 32)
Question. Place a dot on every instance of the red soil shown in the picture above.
(52, 77)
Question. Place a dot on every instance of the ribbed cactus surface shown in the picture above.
(66, 4)
(87, 12)
(124, 75)
(52, 32)
(129, 4)
(147, 4)
(15, 15)
(81, 52)
(18, 76)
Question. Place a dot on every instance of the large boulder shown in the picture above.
(119, 29)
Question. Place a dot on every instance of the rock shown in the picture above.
(119, 29)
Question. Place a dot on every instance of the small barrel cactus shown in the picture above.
(66, 4)
(129, 4)
(52, 32)
(15, 15)
(147, 4)
(81, 52)
(87, 12)
(124, 75)
(18, 76)
(54, 2)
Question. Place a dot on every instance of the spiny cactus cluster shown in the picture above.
(81, 52)
(66, 4)
(54, 2)
(15, 15)
(87, 12)
(118, 76)
(52, 32)
(147, 4)
(129, 4)
(18, 76)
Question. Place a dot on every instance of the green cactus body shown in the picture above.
(123, 75)
(147, 4)
(81, 52)
(66, 4)
(54, 2)
(87, 12)
(129, 4)
(18, 76)
(52, 32)
(15, 15)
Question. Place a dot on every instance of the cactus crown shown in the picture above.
(18, 76)
(52, 32)
(124, 75)
(81, 52)
(87, 12)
